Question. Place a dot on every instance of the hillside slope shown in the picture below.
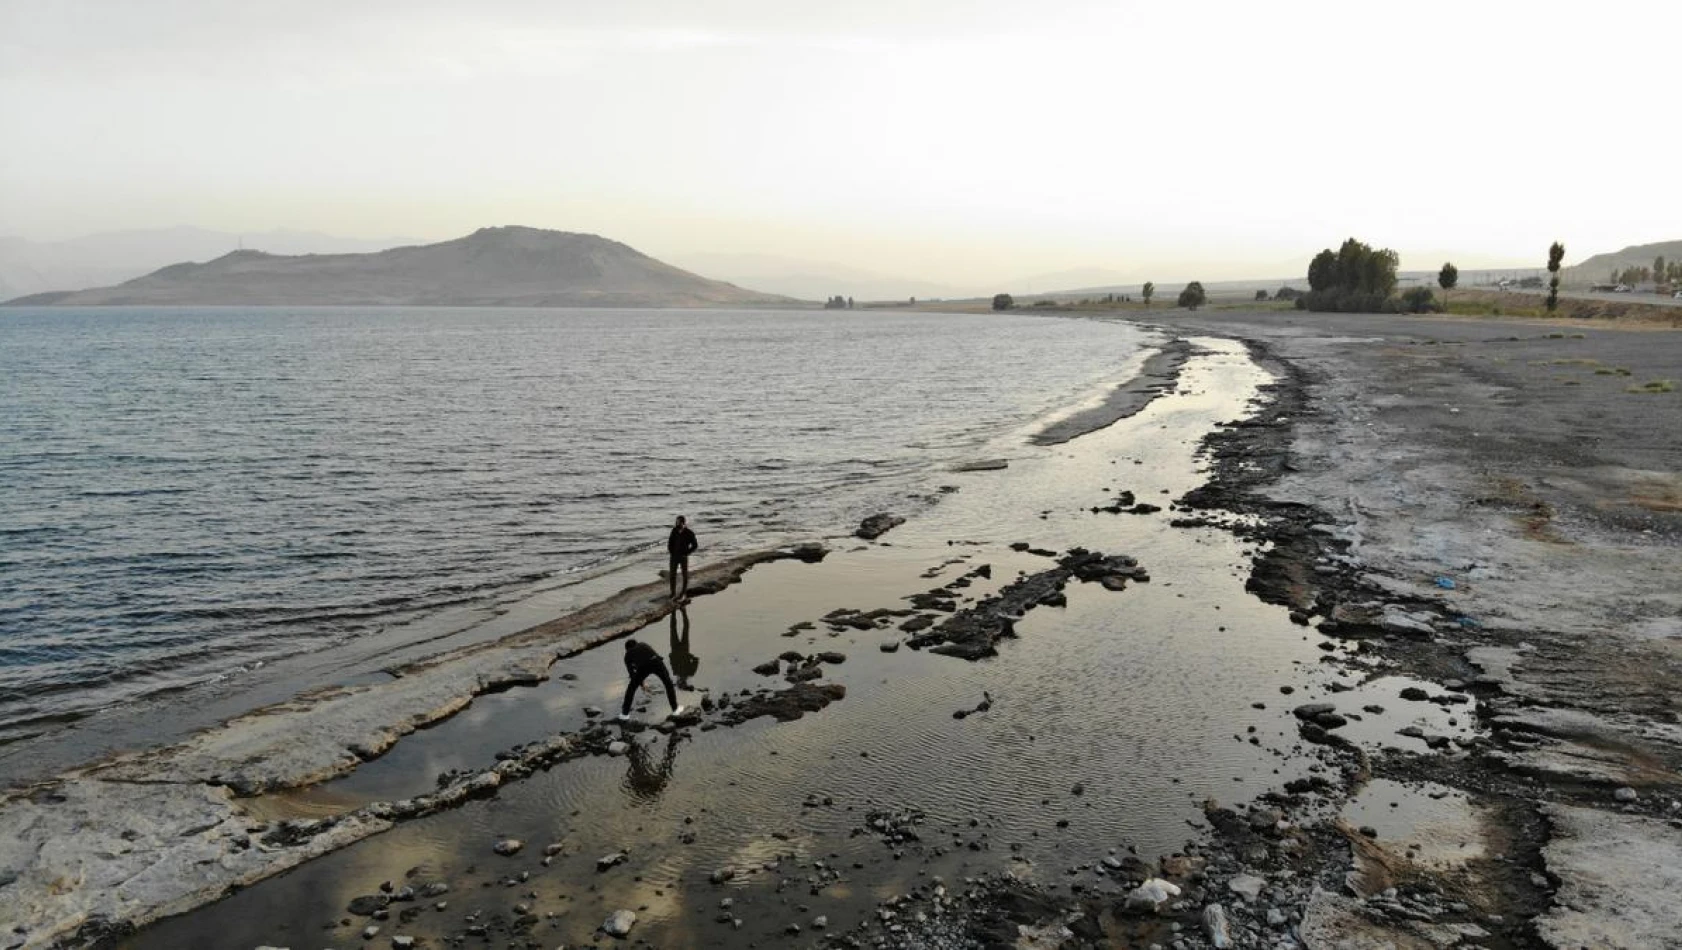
(1598, 269)
(506, 266)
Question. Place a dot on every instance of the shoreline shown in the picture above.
(1532, 778)
(306, 741)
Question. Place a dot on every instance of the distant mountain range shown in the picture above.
(505, 266)
(98, 260)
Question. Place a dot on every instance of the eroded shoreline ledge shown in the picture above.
(109, 847)
(1159, 375)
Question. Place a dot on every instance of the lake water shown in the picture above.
(185, 494)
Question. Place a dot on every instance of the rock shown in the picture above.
(1247, 886)
(891, 646)
(618, 747)
(1275, 917)
(1311, 710)
(1214, 924)
(1152, 894)
(1625, 794)
(403, 943)
(619, 923)
(820, 922)
(592, 711)
(1409, 625)
(875, 526)
(508, 846)
(1113, 582)
(370, 932)
(830, 656)
(768, 668)
(721, 875)
(611, 860)
(365, 905)
(1414, 694)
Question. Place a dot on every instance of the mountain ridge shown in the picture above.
(495, 266)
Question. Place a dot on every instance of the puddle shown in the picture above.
(1425, 825)
(1380, 719)
(1113, 718)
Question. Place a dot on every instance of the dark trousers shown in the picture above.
(657, 668)
(678, 564)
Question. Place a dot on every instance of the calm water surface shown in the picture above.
(187, 493)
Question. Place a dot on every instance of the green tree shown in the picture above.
(1003, 302)
(1322, 271)
(1147, 292)
(1193, 296)
(1556, 255)
(1356, 278)
(1447, 278)
(1658, 269)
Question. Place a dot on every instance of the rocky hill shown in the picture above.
(1598, 269)
(506, 266)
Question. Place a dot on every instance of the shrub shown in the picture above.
(1419, 300)
(1003, 302)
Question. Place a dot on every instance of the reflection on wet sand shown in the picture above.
(646, 779)
(684, 661)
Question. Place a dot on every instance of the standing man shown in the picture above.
(679, 545)
(641, 660)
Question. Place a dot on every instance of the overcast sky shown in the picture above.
(954, 140)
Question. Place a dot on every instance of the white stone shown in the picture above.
(1214, 923)
(1152, 894)
(619, 923)
(1247, 886)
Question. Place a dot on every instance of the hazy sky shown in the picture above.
(956, 140)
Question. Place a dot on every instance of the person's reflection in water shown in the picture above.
(684, 662)
(645, 780)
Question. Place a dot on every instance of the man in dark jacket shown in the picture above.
(679, 545)
(641, 660)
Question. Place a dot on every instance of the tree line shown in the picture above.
(1358, 278)
(1662, 272)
